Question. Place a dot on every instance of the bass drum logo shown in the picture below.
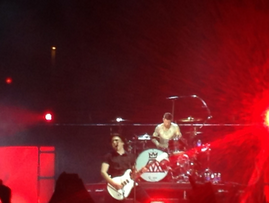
(156, 172)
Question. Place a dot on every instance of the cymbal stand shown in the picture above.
(134, 144)
(208, 171)
(173, 99)
(173, 109)
(193, 134)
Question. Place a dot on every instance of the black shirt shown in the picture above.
(118, 164)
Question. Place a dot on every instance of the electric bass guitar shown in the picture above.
(127, 182)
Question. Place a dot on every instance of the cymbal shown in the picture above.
(190, 119)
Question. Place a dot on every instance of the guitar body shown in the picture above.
(125, 180)
(128, 182)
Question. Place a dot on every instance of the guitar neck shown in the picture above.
(141, 171)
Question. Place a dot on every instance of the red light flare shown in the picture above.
(15, 119)
(266, 119)
(9, 80)
(239, 83)
(242, 156)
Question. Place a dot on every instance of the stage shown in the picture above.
(172, 192)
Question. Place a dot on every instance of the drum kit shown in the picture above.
(182, 159)
(178, 165)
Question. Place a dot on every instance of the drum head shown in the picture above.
(156, 171)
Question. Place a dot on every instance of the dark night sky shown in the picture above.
(123, 58)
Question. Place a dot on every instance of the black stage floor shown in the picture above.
(172, 192)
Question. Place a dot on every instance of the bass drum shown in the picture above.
(156, 170)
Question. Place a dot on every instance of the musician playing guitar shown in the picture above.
(118, 171)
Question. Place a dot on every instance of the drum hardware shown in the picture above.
(194, 132)
(129, 146)
(144, 137)
(208, 174)
(141, 143)
(180, 162)
(177, 145)
(173, 98)
(190, 119)
(184, 164)
(180, 178)
(193, 137)
(180, 165)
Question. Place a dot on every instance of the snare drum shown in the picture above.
(156, 170)
(180, 163)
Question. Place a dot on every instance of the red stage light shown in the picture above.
(8, 80)
(266, 121)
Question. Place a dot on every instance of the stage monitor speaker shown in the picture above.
(70, 188)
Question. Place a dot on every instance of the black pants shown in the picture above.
(138, 193)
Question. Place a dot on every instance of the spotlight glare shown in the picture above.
(266, 122)
(119, 119)
(48, 116)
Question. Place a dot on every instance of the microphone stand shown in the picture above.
(208, 171)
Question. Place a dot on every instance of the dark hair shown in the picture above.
(117, 135)
(168, 116)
